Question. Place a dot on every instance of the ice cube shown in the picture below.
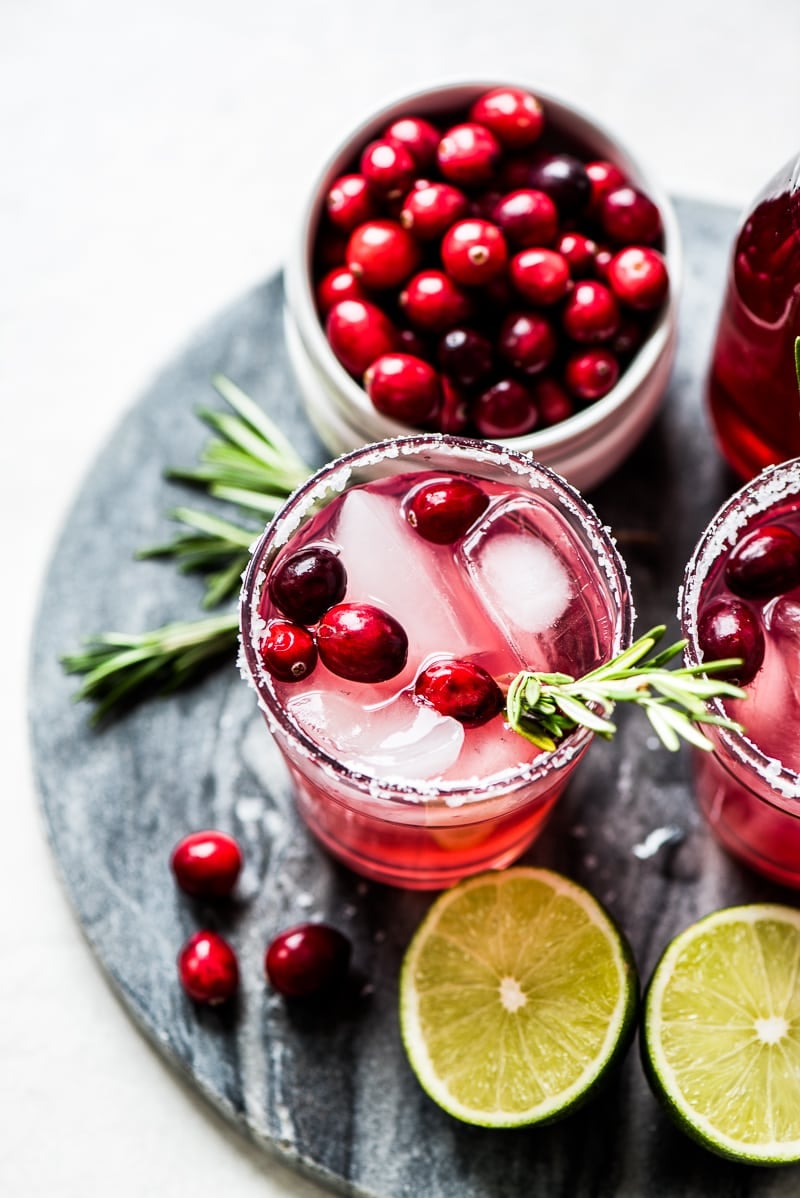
(526, 580)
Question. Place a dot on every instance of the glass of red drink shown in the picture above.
(402, 791)
(741, 598)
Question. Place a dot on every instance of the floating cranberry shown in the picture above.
(443, 510)
(460, 689)
(527, 217)
(591, 312)
(433, 302)
(362, 643)
(540, 275)
(527, 342)
(338, 284)
(579, 252)
(307, 959)
(552, 402)
(729, 628)
(404, 388)
(505, 410)
(592, 374)
(466, 356)
(764, 563)
(453, 415)
(288, 651)
(381, 254)
(629, 216)
(304, 584)
(208, 969)
(359, 332)
(638, 277)
(514, 116)
(565, 180)
(604, 177)
(388, 168)
(474, 252)
(419, 137)
(349, 202)
(206, 864)
(429, 211)
(468, 155)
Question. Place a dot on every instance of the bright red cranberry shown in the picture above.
(338, 284)
(304, 584)
(468, 155)
(591, 374)
(208, 969)
(629, 216)
(505, 410)
(602, 260)
(404, 388)
(307, 959)
(591, 312)
(288, 651)
(764, 562)
(638, 277)
(729, 628)
(527, 217)
(381, 253)
(419, 137)
(466, 356)
(362, 643)
(460, 689)
(443, 510)
(565, 180)
(474, 252)
(514, 116)
(527, 342)
(388, 168)
(359, 332)
(433, 302)
(604, 177)
(541, 276)
(349, 202)
(429, 211)
(579, 252)
(206, 864)
(453, 415)
(552, 402)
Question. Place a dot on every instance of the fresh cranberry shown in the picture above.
(468, 154)
(474, 252)
(638, 277)
(208, 969)
(764, 563)
(604, 177)
(454, 413)
(514, 116)
(362, 643)
(629, 216)
(466, 356)
(579, 252)
(338, 284)
(540, 275)
(527, 342)
(433, 302)
(288, 651)
(307, 959)
(304, 584)
(404, 388)
(359, 332)
(628, 337)
(602, 261)
(206, 864)
(388, 168)
(441, 511)
(419, 137)
(565, 180)
(591, 374)
(552, 402)
(527, 217)
(729, 628)
(505, 410)
(429, 211)
(381, 253)
(410, 342)
(591, 312)
(349, 202)
(460, 689)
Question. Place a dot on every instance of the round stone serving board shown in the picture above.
(328, 1087)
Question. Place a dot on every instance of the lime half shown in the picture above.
(722, 1032)
(517, 994)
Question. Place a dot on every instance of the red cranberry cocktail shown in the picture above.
(383, 612)
(741, 598)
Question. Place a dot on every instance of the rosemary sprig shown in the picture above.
(546, 707)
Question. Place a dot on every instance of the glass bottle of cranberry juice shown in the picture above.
(752, 389)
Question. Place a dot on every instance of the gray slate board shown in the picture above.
(329, 1088)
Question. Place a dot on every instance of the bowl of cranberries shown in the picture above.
(484, 260)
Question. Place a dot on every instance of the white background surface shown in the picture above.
(152, 158)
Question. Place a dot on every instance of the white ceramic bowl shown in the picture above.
(585, 448)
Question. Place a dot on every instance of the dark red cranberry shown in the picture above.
(329, 250)
(419, 137)
(206, 864)
(629, 216)
(468, 154)
(638, 277)
(514, 172)
(591, 312)
(358, 333)
(460, 689)
(527, 342)
(540, 275)
(579, 252)
(349, 202)
(410, 342)
(483, 205)
(729, 628)
(288, 651)
(441, 511)
(429, 211)
(433, 302)
(466, 356)
(388, 168)
(552, 402)
(304, 584)
(362, 643)
(565, 180)
(514, 116)
(453, 415)
(381, 253)
(628, 337)
(338, 284)
(527, 217)
(307, 959)
(208, 969)
(505, 410)
(474, 252)
(404, 388)
(604, 177)
(764, 563)
(591, 374)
